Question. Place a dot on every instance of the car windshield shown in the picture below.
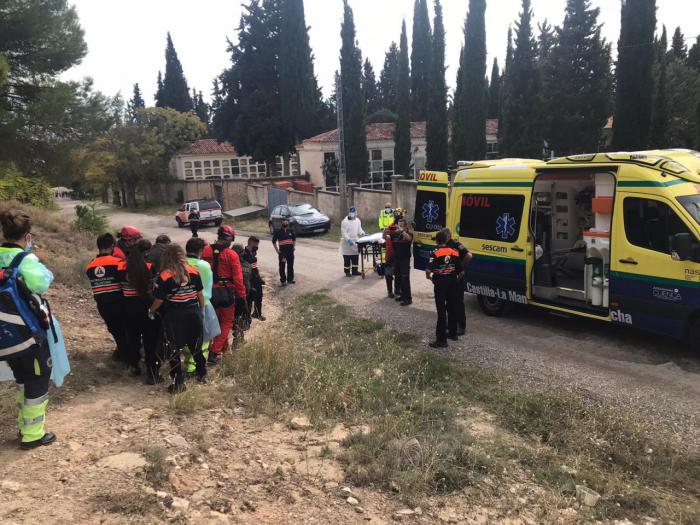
(302, 209)
(692, 205)
(208, 205)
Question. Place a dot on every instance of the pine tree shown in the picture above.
(659, 115)
(437, 148)
(301, 97)
(578, 82)
(694, 56)
(135, 104)
(496, 81)
(354, 131)
(402, 134)
(522, 136)
(546, 41)
(159, 91)
(175, 93)
(634, 75)
(469, 125)
(678, 45)
(369, 88)
(388, 79)
(201, 108)
(420, 61)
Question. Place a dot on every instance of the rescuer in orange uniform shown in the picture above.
(445, 270)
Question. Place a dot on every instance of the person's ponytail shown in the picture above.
(15, 224)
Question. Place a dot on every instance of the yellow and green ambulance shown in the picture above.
(609, 236)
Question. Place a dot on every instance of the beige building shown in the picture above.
(208, 159)
(317, 152)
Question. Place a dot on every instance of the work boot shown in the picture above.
(213, 359)
(438, 344)
(153, 378)
(177, 387)
(135, 371)
(453, 337)
(406, 302)
(355, 273)
(461, 331)
(398, 298)
(46, 439)
(390, 295)
(292, 282)
(202, 380)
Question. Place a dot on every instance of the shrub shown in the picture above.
(89, 219)
(13, 186)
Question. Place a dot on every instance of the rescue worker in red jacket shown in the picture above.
(445, 270)
(228, 286)
(128, 237)
(102, 272)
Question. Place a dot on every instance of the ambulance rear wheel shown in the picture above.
(492, 306)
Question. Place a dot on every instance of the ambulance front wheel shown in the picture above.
(493, 306)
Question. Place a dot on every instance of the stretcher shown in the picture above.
(371, 247)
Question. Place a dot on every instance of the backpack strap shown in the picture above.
(17, 260)
(217, 254)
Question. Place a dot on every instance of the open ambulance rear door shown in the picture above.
(432, 198)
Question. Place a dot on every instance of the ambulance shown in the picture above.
(608, 236)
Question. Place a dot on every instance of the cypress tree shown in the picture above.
(135, 104)
(356, 158)
(469, 139)
(437, 150)
(678, 45)
(402, 133)
(509, 51)
(369, 88)
(159, 91)
(578, 81)
(494, 108)
(388, 79)
(521, 107)
(175, 93)
(659, 116)
(301, 98)
(694, 56)
(546, 41)
(201, 108)
(697, 127)
(634, 75)
(420, 61)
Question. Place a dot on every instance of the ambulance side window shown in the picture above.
(492, 217)
(430, 211)
(651, 224)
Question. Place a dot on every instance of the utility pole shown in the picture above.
(342, 182)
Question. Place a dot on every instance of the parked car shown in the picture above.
(209, 212)
(303, 218)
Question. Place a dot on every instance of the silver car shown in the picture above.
(303, 218)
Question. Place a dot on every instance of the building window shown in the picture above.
(217, 171)
(328, 156)
(227, 171)
(188, 173)
(376, 154)
(225, 163)
(197, 164)
(198, 173)
(188, 164)
(388, 167)
(234, 162)
(215, 163)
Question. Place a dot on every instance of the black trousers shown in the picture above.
(182, 326)
(404, 269)
(194, 228)
(255, 298)
(141, 331)
(351, 262)
(115, 319)
(461, 311)
(447, 290)
(286, 261)
(25, 371)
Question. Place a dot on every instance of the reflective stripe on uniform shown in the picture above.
(34, 420)
(17, 348)
(11, 318)
(37, 401)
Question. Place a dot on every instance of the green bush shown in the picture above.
(89, 219)
(13, 186)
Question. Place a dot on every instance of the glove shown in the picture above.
(350, 243)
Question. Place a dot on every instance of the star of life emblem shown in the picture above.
(430, 211)
(505, 226)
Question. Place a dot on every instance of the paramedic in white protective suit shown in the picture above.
(350, 231)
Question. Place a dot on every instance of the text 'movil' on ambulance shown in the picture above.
(609, 236)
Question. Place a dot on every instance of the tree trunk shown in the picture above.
(104, 196)
(131, 192)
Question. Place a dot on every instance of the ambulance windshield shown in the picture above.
(692, 205)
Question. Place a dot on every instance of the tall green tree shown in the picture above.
(694, 55)
(509, 51)
(683, 93)
(521, 133)
(135, 104)
(635, 61)
(301, 98)
(579, 81)
(659, 115)
(369, 88)
(388, 79)
(402, 133)
(469, 125)
(495, 83)
(201, 108)
(354, 131)
(546, 41)
(174, 93)
(678, 46)
(420, 61)
(437, 148)
(159, 91)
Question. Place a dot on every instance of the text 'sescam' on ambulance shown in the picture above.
(609, 236)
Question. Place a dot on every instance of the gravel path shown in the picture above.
(655, 378)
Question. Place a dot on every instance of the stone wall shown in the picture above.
(257, 195)
(403, 195)
(369, 203)
(328, 202)
(300, 197)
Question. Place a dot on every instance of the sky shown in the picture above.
(126, 38)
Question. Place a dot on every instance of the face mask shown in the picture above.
(351, 215)
(254, 250)
(28, 246)
(285, 226)
(387, 210)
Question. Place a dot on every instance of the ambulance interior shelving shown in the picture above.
(570, 218)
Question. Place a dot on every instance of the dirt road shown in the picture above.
(654, 377)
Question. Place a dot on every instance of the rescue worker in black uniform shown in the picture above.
(250, 255)
(193, 219)
(401, 241)
(445, 270)
(286, 240)
(103, 273)
(464, 256)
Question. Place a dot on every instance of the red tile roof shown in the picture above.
(208, 147)
(375, 132)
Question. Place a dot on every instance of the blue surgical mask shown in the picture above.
(351, 215)
(28, 247)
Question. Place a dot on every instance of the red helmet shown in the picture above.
(226, 233)
(129, 233)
